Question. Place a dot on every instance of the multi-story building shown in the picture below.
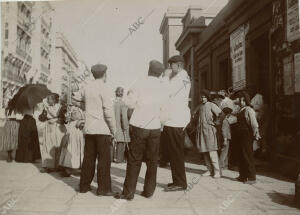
(25, 45)
(170, 29)
(42, 39)
(64, 67)
(16, 43)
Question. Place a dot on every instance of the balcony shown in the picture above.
(25, 24)
(45, 69)
(45, 45)
(25, 56)
(12, 75)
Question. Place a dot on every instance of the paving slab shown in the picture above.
(35, 193)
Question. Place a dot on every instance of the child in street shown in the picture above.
(226, 133)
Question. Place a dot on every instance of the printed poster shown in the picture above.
(237, 47)
(292, 26)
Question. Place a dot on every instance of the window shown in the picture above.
(28, 14)
(6, 33)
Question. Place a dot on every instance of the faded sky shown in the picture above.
(95, 29)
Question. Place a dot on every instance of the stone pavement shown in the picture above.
(26, 191)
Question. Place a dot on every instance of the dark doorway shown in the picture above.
(258, 70)
(224, 75)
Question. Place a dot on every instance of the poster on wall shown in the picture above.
(292, 26)
(297, 72)
(237, 49)
(288, 87)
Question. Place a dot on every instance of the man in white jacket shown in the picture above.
(178, 117)
(147, 98)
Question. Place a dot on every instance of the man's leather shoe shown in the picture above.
(174, 188)
(146, 195)
(101, 193)
(240, 179)
(122, 196)
(85, 190)
(170, 184)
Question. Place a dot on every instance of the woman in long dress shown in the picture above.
(9, 129)
(52, 135)
(28, 141)
(207, 134)
(72, 146)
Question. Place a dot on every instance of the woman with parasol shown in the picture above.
(24, 102)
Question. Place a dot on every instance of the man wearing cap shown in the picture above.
(147, 98)
(178, 118)
(99, 127)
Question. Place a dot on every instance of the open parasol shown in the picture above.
(27, 98)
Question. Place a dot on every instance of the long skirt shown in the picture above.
(72, 148)
(52, 135)
(9, 135)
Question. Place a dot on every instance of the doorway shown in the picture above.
(258, 73)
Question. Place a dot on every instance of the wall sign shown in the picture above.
(292, 25)
(237, 53)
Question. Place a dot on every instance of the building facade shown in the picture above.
(42, 39)
(23, 46)
(170, 29)
(194, 22)
(68, 72)
(16, 46)
(255, 45)
(65, 64)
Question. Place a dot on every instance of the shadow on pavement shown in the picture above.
(283, 199)
(122, 173)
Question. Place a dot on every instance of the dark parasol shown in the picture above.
(27, 97)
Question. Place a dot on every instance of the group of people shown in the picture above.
(150, 122)
(222, 122)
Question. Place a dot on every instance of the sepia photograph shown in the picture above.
(145, 107)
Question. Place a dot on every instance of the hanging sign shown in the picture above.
(292, 25)
(237, 49)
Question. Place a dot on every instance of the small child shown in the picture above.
(226, 133)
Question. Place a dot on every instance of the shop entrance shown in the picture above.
(258, 73)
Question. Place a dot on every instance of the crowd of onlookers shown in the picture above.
(153, 122)
(228, 128)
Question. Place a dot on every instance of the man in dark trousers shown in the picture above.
(147, 99)
(99, 129)
(178, 117)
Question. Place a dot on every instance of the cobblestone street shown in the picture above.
(26, 191)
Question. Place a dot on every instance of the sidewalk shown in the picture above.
(26, 191)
